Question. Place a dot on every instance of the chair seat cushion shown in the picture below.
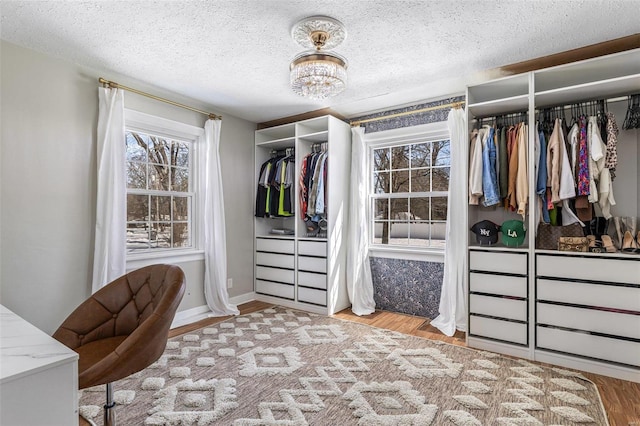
(92, 353)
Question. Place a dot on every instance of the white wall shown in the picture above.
(48, 118)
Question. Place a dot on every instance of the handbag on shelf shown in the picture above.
(549, 235)
(579, 244)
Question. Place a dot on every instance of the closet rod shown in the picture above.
(456, 105)
(569, 105)
(107, 83)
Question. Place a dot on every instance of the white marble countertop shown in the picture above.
(25, 349)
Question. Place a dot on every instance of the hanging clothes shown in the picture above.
(597, 151)
(490, 187)
(522, 177)
(475, 166)
(273, 195)
(611, 158)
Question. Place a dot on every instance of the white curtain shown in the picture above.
(453, 309)
(109, 258)
(215, 239)
(359, 283)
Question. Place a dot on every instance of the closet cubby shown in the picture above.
(573, 309)
(303, 270)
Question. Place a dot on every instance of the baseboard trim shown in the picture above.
(198, 313)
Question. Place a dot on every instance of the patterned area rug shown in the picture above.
(287, 367)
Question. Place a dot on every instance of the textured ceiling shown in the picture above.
(235, 54)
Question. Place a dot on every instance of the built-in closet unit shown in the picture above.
(295, 266)
(577, 310)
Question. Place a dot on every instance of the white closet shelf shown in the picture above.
(588, 91)
(500, 106)
(315, 137)
(277, 143)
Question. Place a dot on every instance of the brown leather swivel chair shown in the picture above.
(123, 327)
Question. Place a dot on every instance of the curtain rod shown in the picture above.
(107, 83)
(456, 105)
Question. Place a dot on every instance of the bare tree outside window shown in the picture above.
(159, 194)
(409, 194)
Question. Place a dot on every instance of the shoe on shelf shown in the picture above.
(595, 245)
(607, 243)
(629, 244)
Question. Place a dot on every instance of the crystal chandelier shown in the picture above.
(318, 74)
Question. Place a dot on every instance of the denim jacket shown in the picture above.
(490, 186)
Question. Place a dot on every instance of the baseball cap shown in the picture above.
(486, 232)
(513, 233)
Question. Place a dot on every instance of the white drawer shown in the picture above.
(312, 248)
(275, 245)
(310, 295)
(497, 329)
(275, 274)
(490, 261)
(614, 323)
(498, 307)
(310, 279)
(583, 344)
(498, 284)
(274, 289)
(312, 264)
(600, 295)
(590, 268)
(275, 260)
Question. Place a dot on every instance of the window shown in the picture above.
(161, 185)
(408, 194)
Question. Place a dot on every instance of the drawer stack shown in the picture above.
(498, 294)
(312, 272)
(275, 267)
(588, 306)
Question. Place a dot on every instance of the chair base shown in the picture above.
(109, 408)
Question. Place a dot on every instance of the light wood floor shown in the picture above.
(621, 398)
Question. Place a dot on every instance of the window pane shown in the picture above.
(399, 234)
(137, 236)
(438, 234)
(136, 175)
(400, 181)
(381, 232)
(400, 157)
(161, 235)
(136, 149)
(181, 208)
(180, 179)
(400, 209)
(420, 155)
(439, 208)
(420, 180)
(158, 177)
(381, 182)
(420, 233)
(419, 208)
(137, 207)
(381, 159)
(179, 154)
(441, 153)
(159, 150)
(160, 208)
(441, 178)
(181, 235)
(381, 209)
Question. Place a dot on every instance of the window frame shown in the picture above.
(431, 132)
(163, 127)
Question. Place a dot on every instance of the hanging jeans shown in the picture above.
(489, 176)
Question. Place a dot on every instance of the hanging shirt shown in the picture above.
(503, 161)
(475, 167)
(583, 171)
(567, 183)
(522, 179)
(611, 158)
(597, 150)
(554, 163)
(541, 181)
(512, 151)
